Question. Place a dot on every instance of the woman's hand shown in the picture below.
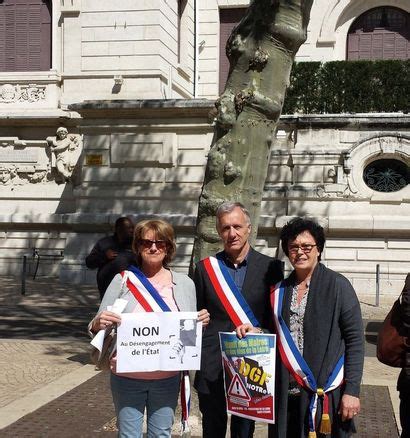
(204, 317)
(104, 320)
(243, 329)
(349, 407)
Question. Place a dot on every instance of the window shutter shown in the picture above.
(388, 46)
(365, 47)
(228, 19)
(10, 40)
(380, 33)
(2, 38)
(377, 46)
(26, 45)
(403, 46)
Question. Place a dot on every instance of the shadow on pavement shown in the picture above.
(48, 311)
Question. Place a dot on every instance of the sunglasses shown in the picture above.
(147, 243)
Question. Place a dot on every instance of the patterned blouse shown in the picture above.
(297, 316)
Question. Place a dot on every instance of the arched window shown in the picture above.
(380, 33)
(25, 35)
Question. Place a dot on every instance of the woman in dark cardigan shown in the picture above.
(319, 311)
(403, 384)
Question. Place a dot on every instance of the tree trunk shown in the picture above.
(261, 51)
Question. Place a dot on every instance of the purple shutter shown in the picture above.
(228, 19)
(26, 35)
(380, 33)
(2, 37)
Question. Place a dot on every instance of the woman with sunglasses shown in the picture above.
(156, 391)
(317, 318)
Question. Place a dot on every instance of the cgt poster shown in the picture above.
(249, 370)
(166, 341)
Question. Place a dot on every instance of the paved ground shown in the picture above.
(50, 389)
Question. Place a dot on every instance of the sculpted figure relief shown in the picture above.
(10, 93)
(66, 150)
(7, 173)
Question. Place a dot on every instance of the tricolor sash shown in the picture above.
(151, 301)
(229, 295)
(299, 369)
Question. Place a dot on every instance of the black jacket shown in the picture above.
(403, 384)
(107, 269)
(262, 272)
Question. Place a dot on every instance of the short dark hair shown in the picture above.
(297, 226)
(120, 222)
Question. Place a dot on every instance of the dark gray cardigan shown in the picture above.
(332, 326)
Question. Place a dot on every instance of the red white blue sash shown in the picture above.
(296, 364)
(229, 295)
(151, 301)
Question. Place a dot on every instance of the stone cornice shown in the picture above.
(143, 109)
(172, 108)
(371, 120)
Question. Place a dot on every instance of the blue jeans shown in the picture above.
(132, 396)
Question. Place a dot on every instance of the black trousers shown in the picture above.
(405, 414)
(212, 405)
(292, 421)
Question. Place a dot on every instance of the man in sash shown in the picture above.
(234, 287)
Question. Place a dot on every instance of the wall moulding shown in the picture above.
(341, 13)
(70, 7)
(383, 146)
(141, 149)
(10, 93)
(52, 160)
(19, 90)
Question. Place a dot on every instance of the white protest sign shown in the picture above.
(166, 341)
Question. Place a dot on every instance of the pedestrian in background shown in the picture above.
(112, 254)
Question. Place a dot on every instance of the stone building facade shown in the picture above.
(133, 84)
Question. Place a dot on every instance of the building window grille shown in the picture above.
(386, 175)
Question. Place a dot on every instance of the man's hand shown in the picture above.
(349, 407)
(204, 317)
(243, 329)
(110, 254)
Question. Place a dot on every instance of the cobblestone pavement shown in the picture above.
(44, 361)
(29, 365)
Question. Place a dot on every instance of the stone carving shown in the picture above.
(66, 149)
(38, 176)
(22, 93)
(331, 175)
(335, 184)
(7, 173)
(333, 191)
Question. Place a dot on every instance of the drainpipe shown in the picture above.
(196, 48)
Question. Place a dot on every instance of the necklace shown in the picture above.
(301, 290)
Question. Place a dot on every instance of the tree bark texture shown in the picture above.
(261, 51)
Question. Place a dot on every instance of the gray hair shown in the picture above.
(229, 207)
